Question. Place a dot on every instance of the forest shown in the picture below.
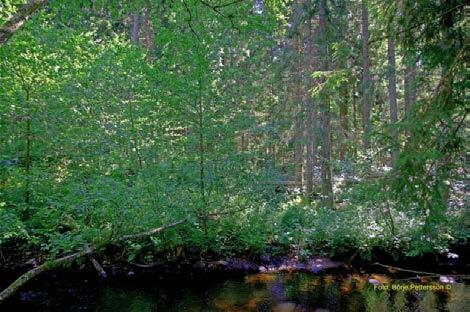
(200, 134)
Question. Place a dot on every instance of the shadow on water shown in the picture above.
(280, 292)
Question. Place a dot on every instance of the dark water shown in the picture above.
(259, 292)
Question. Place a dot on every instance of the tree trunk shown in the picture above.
(392, 94)
(354, 119)
(366, 81)
(326, 174)
(409, 81)
(298, 149)
(149, 35)
(135, 27)
(27, 158)
(202, 157)
(343, 120)
(311, 122)
(25, 12)
(135, 137)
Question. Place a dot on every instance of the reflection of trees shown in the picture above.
(332, 296)
(400, 303)
(245, 296)
(291, 292)
(376, 300)
(427, 302)
(126, 300)
(277, 290)
(459, 298)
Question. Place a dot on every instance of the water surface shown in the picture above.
(279, 292)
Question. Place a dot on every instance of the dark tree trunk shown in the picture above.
(354, 119)
(409, 81)
(392, 94)
(326, 174)
(311, 121)
(298, 149)
(344, 123)
(135, 27)
(366, 81)
(149, 35)
(29, 138)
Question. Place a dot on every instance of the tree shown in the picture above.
(311, 127)
(326, 170)
(366, 80)
(392, 94)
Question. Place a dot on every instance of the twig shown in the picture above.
(215, 8)
(228, 4)
(352, 257)
(190, 18)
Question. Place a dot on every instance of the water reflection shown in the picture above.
(297, 292)
(294, 292)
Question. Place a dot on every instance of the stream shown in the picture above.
(279, 292)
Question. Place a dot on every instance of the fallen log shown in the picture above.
(48, 265)
(23, 279)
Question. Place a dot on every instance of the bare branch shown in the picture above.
(153, 231)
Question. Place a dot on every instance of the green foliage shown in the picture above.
(11, 226)
(197, 121)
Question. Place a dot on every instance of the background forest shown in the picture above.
(332, 127)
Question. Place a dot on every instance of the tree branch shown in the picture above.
(216, 8)
(415, 25)
(189, 21)
(153, 231)
(11, 26)
(227, 4)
